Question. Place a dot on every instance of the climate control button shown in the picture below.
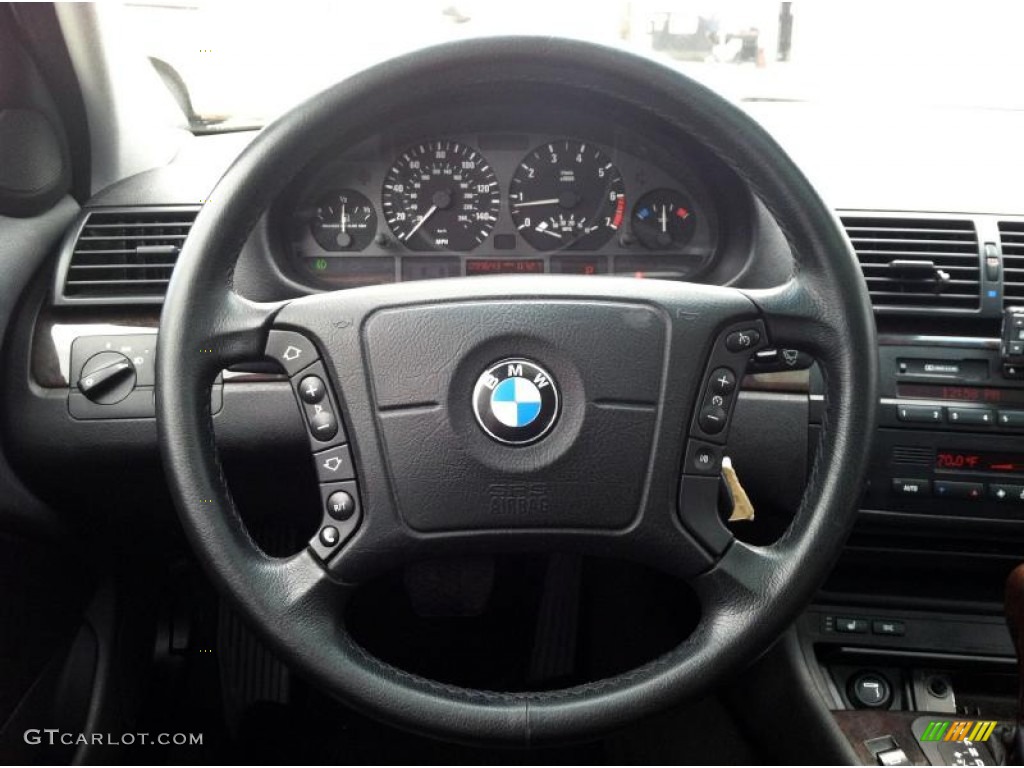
(1013, 494)
(911, 487)
(950, 489)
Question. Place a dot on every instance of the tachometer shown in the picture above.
(567, 195)
(441, 196)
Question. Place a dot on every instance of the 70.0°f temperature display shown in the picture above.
(980, 461)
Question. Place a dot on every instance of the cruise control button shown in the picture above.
(312, 390)
(723, 381)
(340, 505)
(329, 536)
(712, 419)
(322, 422)
(738, 341)
(292, 350)
(335, 464)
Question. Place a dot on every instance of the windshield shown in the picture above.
(242, 64)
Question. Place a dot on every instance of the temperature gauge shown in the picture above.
(664, 219)
(344, 221)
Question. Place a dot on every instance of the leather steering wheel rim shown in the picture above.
(751, 593)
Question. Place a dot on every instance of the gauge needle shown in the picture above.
(550, 201)
(421, 222)
(664, 219)
(343, 218)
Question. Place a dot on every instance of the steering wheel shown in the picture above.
(554, 413)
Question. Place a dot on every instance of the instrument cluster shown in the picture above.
(497, 203)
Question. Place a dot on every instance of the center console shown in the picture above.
(909, 631)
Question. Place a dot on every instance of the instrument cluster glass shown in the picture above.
(500, 204)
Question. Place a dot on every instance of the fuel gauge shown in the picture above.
(344, 221)
(664, 219)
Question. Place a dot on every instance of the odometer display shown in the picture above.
(504, 266)
(441, 196)
(567, 195)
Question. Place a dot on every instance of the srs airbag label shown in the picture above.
(518, 498)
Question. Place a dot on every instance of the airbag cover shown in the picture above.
(588, 471)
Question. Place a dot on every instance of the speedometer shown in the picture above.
(441, 196)
(567, 195)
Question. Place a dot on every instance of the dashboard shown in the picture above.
(554, 195)
(510, 184)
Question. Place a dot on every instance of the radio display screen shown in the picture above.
(997, 462)
(988, 395)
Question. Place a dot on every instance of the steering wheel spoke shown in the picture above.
(799, 314)
(234, 331)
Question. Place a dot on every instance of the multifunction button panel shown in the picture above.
(709, 431)
(341, 510)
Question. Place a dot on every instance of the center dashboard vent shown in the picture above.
(1011, 235)
(918, 264)
(123, 256)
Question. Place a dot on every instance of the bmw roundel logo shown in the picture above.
(516, 401)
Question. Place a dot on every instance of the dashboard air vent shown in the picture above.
(124, 255)
(912, 263)
(1011, 233)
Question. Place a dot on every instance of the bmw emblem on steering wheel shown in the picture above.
(516, 401)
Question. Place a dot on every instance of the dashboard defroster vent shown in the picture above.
(123, 256)
(918, 263)
(1011, 233)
